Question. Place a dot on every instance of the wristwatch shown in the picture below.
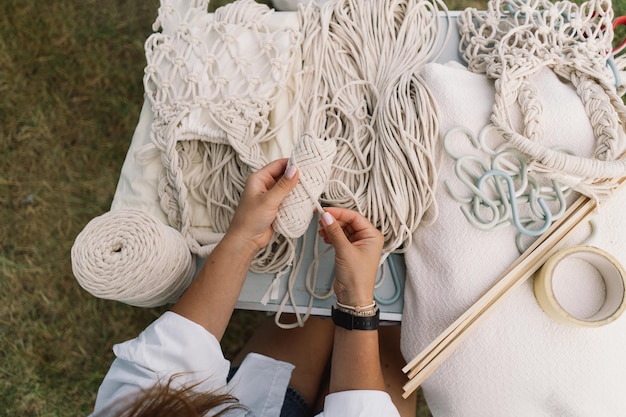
(352, 322)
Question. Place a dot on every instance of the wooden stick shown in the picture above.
(525, 266)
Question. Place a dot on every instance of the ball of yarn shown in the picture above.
(129, 256)
(314, 159)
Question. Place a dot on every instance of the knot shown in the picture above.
(179, 61)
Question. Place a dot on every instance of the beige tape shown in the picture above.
(609, 268)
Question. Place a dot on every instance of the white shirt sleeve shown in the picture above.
(361, 403)
(171, 345)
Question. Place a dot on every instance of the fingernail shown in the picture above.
(327, 219)
(291, 172)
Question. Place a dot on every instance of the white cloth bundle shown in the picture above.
(130, 256)
(519, 362)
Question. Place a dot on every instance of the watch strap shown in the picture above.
(352, 322)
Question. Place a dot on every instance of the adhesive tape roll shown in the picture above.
(609, 268)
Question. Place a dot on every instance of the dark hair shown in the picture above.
(165, 400)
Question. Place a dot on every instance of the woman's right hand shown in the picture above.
(358, 248)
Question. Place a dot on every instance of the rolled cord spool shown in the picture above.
(130, 256)
(611, 272)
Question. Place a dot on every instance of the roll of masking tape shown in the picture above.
(609, 268)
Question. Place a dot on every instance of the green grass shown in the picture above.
(70, 95)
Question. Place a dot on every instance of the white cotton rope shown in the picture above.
(128, 255)
(362, 88)
(512, 42)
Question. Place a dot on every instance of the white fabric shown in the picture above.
(174, 345)
(519, 362)
(358, 403)
(138, 182)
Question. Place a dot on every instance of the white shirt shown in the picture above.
(174, 345)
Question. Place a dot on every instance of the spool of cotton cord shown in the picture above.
(130, 256)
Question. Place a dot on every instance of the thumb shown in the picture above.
(334, 231)
(285, 184)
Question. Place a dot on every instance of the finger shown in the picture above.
(351, 220)
(271, 173)
(324, 237)
(356, 227)
(322, 234)
(333, 230)
(287, 182)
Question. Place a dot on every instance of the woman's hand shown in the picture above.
(211, 297)
(355, 363)
(358, 247)
(264, 192)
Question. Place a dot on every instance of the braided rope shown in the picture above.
(129, 256)
(314, 158)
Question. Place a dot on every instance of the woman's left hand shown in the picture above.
(264, 192)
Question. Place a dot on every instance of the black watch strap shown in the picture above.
(350, 322)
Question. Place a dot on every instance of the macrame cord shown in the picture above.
(129, 256)
(362, 88)
(314, 158)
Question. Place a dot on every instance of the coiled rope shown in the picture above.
(129, 256)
